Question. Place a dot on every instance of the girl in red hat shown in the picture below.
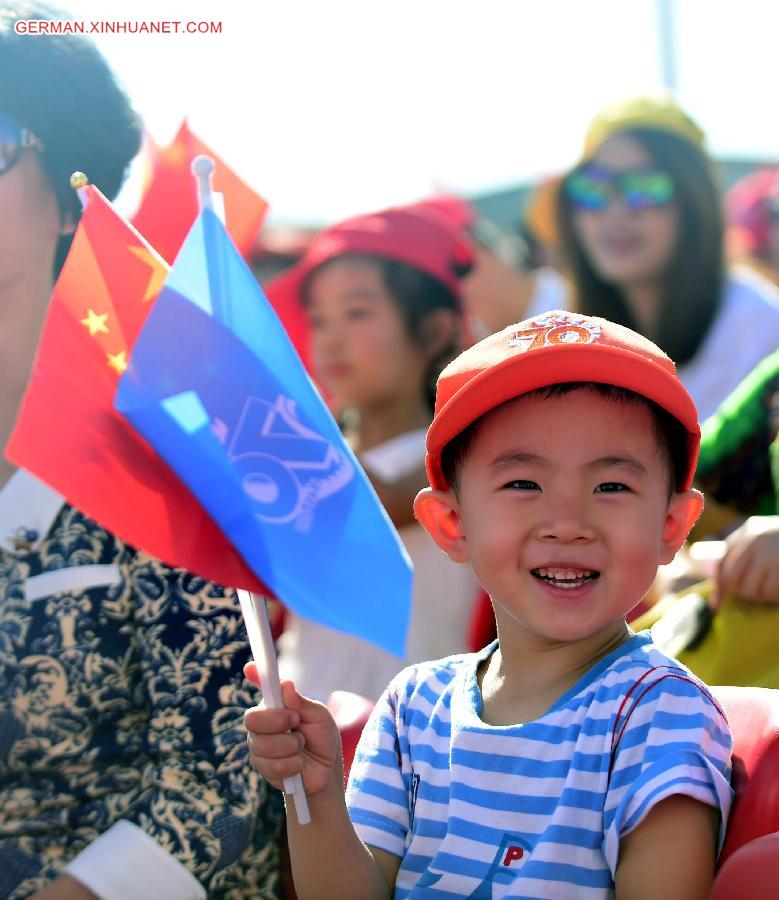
(381, 294)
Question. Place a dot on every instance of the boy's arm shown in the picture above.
(669, 788)
(328, 858)
(671, 854)
(330, 861)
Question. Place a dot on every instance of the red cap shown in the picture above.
(452, 211)
(400, 234)
(551, 349)
(750, 205)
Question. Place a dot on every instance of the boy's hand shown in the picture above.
(302, 738)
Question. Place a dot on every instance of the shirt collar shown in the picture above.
(28, 508)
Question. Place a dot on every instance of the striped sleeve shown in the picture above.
(671, 738)
(378, 791)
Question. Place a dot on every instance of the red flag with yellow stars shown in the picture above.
(67, 431)
(169, 203)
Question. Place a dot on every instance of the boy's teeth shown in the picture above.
(568, 578)
(564, 574)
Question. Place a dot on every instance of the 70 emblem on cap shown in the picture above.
(555, 330)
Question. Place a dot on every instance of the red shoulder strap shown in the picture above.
(638, 690)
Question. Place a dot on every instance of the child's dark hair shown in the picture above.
(692, 282)
(61, 89)
(416, 295)
(670, 434)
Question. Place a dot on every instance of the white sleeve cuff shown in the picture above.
(124, 863)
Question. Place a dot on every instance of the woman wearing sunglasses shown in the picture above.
(122, 750)
(641, 226)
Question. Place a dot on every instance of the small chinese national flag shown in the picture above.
(169, 204)
(68, 432)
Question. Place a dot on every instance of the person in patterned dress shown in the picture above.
(123, 765)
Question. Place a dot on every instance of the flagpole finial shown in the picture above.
(79, 182)
(202, 169)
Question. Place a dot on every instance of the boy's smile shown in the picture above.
(563, 511)
(566, 577)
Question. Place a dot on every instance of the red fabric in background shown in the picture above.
(169, 204)
(283, 293)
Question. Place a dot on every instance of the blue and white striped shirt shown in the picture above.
(537, 809)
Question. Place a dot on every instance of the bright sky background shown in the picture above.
(332, 107)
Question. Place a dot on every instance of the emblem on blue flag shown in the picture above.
(285, 467)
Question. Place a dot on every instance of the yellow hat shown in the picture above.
(657, 112)
(540, 212)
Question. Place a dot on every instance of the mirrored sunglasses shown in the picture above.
(14, 140)
(594, 188)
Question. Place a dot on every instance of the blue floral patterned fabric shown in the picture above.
(125, 700)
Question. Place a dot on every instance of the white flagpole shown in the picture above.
(255, 614)
(202, 169)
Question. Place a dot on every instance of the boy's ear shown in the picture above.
(438, 512)
(684, 510)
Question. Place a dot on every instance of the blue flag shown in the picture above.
(215, 386)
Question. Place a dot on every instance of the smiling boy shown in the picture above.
(570, 758)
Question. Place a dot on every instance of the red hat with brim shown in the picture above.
(555, 348)
(423, 242)
(451, 211)
(400, 234)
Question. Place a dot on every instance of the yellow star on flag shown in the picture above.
(117, 361)
(95, 323)
(158, 274)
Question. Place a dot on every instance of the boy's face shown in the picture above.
(563, 512)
